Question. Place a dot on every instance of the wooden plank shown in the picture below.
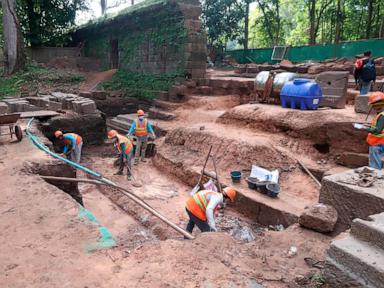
(39, 114)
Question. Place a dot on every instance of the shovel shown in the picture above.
(135, 183)
(197, 187)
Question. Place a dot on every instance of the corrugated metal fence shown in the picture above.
(313, 52)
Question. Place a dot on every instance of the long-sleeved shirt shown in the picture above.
(379, 126)
(71, 140)
(214, 200)
(133, 127)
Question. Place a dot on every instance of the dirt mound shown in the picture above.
(230, 154)
(322, 127)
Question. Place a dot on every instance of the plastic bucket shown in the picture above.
(262, 186)
(251, 183)
(273, 190)
(236, 176)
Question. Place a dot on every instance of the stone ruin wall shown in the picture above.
(163, 37)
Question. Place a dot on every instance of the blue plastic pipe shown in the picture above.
(35, 140)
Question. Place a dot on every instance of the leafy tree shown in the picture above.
(222, 19)
(47, 22)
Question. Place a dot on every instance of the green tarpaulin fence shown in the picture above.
(314, 52)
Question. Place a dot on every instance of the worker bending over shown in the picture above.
(73, 145)
(202, 206)
(375, 137)
(125, 148)
(141, 128)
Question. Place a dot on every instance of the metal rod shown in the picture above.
(309, 173)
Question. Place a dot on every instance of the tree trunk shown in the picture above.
(339, 21)
(14, 57)
(369, 19)
(381, 35)
(103, 4)
(278, 22)
(246, 26)
(312, 21)
(132, 2)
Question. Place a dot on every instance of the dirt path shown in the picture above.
(94, 79)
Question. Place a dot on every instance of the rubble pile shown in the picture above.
(56, 101)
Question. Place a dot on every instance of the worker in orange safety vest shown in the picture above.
(375, 137)
(141, 128)
(125, 148)
(73, 145)
(202, 206)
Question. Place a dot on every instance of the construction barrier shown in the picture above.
(312, 52)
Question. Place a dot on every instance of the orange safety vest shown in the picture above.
(197, 204)
(77, 137)
(376, 139)
(141, 130)
(122, 140)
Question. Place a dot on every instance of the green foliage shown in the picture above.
(288, 22)
(144, 86)
(223, 20)
(34, 76)
(47, 22)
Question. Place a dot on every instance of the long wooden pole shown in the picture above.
(130, 195)
(78, 180)
(309, 173)
(217, 175)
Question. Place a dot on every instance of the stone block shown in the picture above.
(76, 106)
(350, 200)
(319, 217)
(60, 95)
(361, 104)
(30, 107)
(3, 108)
(353, 160)
(379, 70)
(67, 103)
(317, 69)
(53, 105)
(17, 106)
(197, 73)
(88, 107)
(371, 230)
(196, 64)
(85, 94)
(192, 24)
(178, 93)
(99, 95)
(161, 115)
(359, 264)
(190, 11)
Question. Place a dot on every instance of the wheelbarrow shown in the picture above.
(10, 120)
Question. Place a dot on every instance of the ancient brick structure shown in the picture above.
(153, 37)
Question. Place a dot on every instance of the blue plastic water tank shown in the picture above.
(301, 93)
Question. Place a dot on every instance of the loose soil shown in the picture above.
(43, 237)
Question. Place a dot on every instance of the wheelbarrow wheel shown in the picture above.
(18, 133)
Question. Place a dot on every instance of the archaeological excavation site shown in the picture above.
(137, 155)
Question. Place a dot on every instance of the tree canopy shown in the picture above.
(47, 22)
(293, 22)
